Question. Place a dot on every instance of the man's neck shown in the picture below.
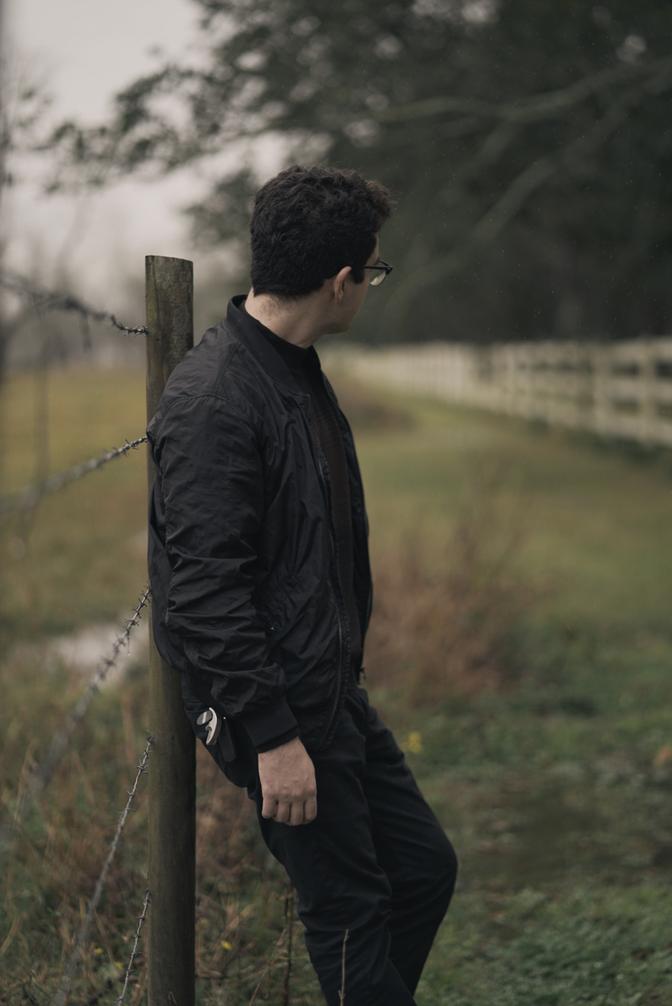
(297, 323)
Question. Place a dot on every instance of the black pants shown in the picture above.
(374, 872)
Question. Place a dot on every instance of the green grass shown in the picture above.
(585, 944)
(556, 794)
(555, 789)
(598, 520)
(81, 556)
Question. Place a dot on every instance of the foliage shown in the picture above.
(451, 624)
(527, 142)
(554, 791)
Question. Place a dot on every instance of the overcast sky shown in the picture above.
(85, 50)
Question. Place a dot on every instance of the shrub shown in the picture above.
(447, 618)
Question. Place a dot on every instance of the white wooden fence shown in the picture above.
(617, 389)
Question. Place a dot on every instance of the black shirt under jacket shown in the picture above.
(305, 366)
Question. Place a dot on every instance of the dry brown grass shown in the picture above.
(445, 618)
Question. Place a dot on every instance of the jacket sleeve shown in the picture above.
(211, 472)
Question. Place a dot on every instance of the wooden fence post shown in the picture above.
(172, 775)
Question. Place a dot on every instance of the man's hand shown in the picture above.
(288, 786)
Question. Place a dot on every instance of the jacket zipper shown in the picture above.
(340, 687)
(345, 422)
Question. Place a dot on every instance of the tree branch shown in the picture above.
(525, 109)
(492, 223)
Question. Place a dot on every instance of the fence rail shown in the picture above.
(622, 389)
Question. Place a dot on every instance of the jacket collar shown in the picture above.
(244, 328)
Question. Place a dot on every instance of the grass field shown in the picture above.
(552, 775)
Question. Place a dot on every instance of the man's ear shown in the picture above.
(339, 282)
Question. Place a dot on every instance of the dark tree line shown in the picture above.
(527, 142)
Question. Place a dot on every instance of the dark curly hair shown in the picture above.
(309, 222)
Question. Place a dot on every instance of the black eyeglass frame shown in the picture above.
(381, 264)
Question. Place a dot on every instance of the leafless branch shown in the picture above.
(532, 108)
(525, 184)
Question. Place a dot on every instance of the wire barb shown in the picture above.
(41, 775)
(61, 997)
(49, 300)
(30, 496)
(131, 961)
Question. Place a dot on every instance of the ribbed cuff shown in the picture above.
(267, 725)
(277, 741)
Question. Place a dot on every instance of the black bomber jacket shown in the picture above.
(246, 603)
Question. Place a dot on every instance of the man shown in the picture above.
(262, 591)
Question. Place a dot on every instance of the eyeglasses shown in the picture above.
(379, 277)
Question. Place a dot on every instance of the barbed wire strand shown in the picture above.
(29, 497)
(49, 300)
(276, 950)
(131, 961)
(61, 997)
(289, 922)
(40, 776)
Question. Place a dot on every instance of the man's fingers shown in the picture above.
(310, 809)
(296, 813)
(292, 813)
(268, 806)
(303, 811)
(282, 812)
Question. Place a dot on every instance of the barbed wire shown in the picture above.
(276, 951)
(289, 923)
(61, 997)
(41, 775)
(134, 950)
(24, 502)
(49, 300)
(29, 496)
